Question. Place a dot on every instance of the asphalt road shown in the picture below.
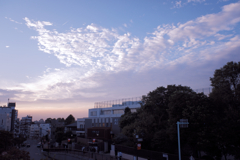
(34, 151)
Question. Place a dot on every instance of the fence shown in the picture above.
(205, 91)
(118, 102)
(78, 154)
(153, 155)
(137, 100)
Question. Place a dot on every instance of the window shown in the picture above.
(103, 124)
(93, 113)
(106, 112)
(119, 111)
(116, 121)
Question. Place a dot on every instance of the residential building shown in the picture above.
(13, 113)
(34, 131)
(54, 125)
(5, 122)
(71, 127)
(45, 129)
(25, 125)
(82, 125)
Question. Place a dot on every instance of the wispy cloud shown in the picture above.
(65, 23)
(93, 50)
(13, 20)
(179, 4)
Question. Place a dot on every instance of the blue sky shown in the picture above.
(59, 57)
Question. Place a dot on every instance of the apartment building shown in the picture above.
(45, 129)
(13, 114)
(34, 131)
(25, 125)
(5, 122)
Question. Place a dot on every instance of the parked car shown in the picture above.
(28, 145)
(39, 144)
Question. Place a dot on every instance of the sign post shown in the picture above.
(182, 124)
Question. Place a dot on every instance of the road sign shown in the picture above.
(139, 146)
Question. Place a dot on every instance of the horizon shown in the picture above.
(61, 58)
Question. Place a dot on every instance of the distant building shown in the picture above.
(54, 125)
(13, 114)
(71, 127)
(25, 124)
(34, 131)
(45, 129)
(106, 115)
(5, 122)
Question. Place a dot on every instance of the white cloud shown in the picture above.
(125, 25)
(200, 1)
(178, 4)
(7, 46)
(94, 50)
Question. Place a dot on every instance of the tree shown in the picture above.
(15, 154)
(60, 119)
(6, 140)
(226, 96)
(155, 121)
(48, 120)
(70, 119)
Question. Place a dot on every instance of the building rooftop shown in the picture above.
(118, 102)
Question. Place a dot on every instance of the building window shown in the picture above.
(119, 111)
(93, 113)
(106, 112)
(116, 121)
(103, 124)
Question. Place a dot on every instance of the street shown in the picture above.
(34, 151)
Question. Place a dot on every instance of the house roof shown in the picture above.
(72, 125)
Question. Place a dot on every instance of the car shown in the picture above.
(39, 144)
(28, 145)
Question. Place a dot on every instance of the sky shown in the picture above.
(60, 57)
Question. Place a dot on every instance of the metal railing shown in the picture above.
(118, 102)
(205, 91)
(137, 100)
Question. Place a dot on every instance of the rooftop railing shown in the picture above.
(137, 100)
(118, 102)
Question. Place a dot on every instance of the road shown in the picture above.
(35, 152)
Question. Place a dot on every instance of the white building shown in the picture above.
(107, 114)
(13, 114)
(45, 129)
(34, 131)
(5, 122)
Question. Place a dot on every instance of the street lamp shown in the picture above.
(183, 124)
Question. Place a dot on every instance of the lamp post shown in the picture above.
(182, 124)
